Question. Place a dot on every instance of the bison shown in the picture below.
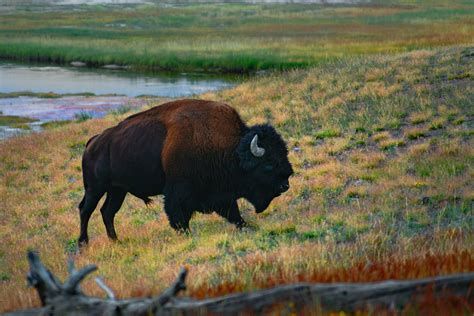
(199, 154)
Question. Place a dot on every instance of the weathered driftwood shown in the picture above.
(67, 298)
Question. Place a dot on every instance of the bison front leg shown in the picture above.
(179, 219)
(232, 214)
(178, 214)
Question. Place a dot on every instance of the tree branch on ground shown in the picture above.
(67, 298)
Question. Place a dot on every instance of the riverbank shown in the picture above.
(25, 114)
(48, 95)
(235, 38)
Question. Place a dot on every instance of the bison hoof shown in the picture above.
(183, 231)
(247, 229)
(81, 242)
(241, 225)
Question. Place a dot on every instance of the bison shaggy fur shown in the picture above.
(199, 154)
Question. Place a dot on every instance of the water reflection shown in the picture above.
(63, 80)
(40, 78)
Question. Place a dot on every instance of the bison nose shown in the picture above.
(284, 187)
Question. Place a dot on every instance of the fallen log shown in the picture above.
(67, 298)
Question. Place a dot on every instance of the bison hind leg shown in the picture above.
(86, 207)
(81, 204)
(112, 204)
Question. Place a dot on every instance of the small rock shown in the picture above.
(115, 67)
(425, 200)
(78, 64)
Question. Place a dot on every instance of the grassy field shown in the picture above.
(15, 121)
(383, 154)
(230, 38)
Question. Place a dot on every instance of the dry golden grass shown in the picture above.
(391, 143)
(379, 137)
(415, 132)
(420, 117)
(361, 207)
(368, 159)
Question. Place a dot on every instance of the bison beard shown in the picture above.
(199, 154)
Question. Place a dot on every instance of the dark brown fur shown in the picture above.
(185, 150)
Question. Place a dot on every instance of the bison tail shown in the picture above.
(91, 139)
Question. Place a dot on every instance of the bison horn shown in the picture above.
(256, 151)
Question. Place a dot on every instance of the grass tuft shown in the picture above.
(415, 133)
(83, 116)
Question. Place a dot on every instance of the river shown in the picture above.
(45, 78)
(112, 89)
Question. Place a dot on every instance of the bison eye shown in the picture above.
(268, 168)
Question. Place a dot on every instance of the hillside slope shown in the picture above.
(383, 154)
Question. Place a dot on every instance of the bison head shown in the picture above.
(263, 158)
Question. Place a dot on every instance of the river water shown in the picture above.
(113, 89)
(41, 78)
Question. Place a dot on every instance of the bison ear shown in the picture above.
(247, 160)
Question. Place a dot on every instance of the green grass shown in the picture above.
(232, 37)
(15, 121)
(121, 110)
(54, 124)
(82, 116)
(326, 134)
(363, 204)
